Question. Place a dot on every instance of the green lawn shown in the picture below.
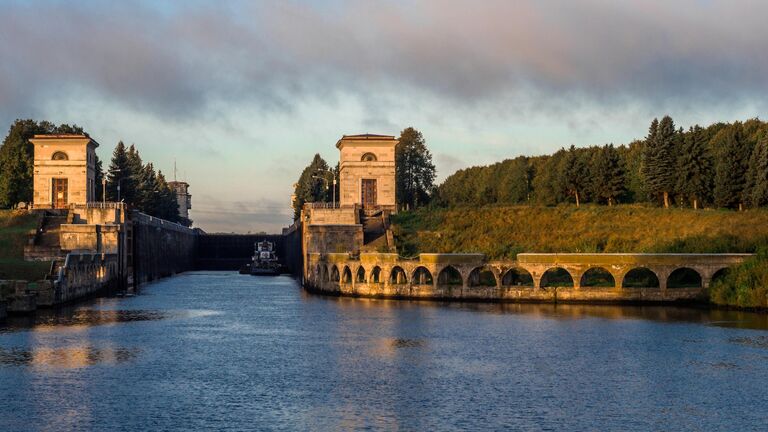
(14, 230)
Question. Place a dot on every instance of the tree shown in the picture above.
(694, 180)
(659, 159)
(311, 187)
(147, 197)
(118, 173)
(99, 178)
(607, 175)
(17, 158)
(731, 165)
(574, 174)
(414, 170)
(168, 205)
(756, 192)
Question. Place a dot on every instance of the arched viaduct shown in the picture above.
(532, 277)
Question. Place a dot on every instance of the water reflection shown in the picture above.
(563, 311)
(54, 320)
(66, 357)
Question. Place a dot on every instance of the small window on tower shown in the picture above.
(369, 157)
(60, 156)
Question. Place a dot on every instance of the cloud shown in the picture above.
(181, 59)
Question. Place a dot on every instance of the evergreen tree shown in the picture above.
(99, 179)
(311, 187)
(659, 159)
(694, 181)
(135, 165)
(607, 175)
(117, 173)
(168, 205)
(756, 193)
(574, 174)
(147, 191)
(730, 167)
(415, 172)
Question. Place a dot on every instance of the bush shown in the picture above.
(745, 285)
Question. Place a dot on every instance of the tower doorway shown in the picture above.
(368, 192)
(60, 193)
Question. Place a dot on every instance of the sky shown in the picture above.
(242, 94)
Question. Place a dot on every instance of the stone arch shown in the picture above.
(360, 275)
(397, 276)
(720, 274)
(422, 276)
(597, 277)
(640, 277)
(684, 277)
(449, 275)
(335, 273)
(517, 276)
(375, 276)
(368, 157)
(482, 276)
(556, 277)
(346, 275)
(59, 156)
(325, 274)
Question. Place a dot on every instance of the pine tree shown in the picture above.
(607, 175)
(311, 187)
(695, 168)
(415, 172)
(756, 192)
(131, 180)
(731, 165)
(99, 178)
(574, 174)
(168, 206)
(659, 159)
(147, 192)
(117, 173)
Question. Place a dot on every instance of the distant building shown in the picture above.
(183, 198)
(64, 170)
(367, 171)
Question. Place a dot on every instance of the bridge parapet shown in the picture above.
(533, 277)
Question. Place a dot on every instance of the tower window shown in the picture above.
(368, 157)
(60, 156)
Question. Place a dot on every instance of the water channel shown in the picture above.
(222, 351)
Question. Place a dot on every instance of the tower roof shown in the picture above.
(365, 137)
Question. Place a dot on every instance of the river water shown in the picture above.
(222, 351)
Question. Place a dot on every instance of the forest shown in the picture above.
(723, 165)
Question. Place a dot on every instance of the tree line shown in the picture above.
(414, 176)
(722, 165)
(140, 185)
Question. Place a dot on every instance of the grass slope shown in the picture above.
(14, 229)
(504, 231)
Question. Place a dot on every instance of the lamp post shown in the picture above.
(326, 183)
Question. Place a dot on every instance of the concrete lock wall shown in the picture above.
(530, 278)
(160, 248)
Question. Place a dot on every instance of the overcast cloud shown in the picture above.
(441, 61)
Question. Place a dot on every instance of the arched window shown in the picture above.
(60, 156)
(368, 157)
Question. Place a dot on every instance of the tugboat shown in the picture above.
(264, 261)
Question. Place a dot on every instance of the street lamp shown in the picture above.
(326, 183)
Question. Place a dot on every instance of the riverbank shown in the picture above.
(501, 232)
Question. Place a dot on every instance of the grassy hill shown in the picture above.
(504, 231)
(14, 229)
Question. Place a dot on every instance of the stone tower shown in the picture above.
(367, 171)
(64, 170)
(183, 198)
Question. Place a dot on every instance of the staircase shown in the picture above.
(377, 237)
(44, 244)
